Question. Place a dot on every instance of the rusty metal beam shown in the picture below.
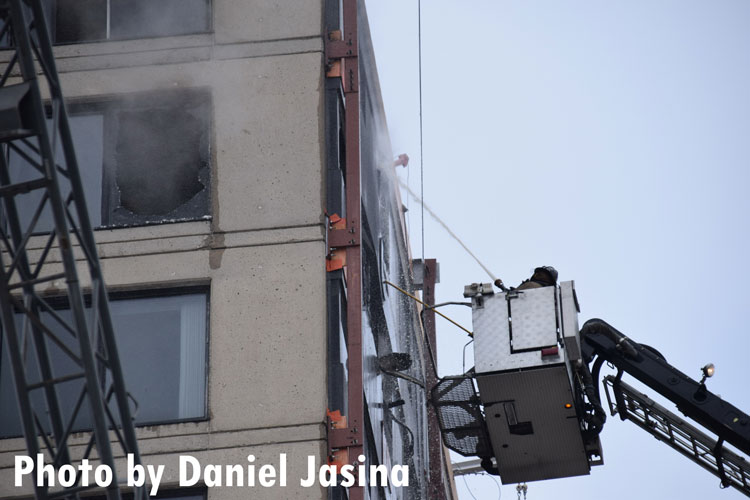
(342, 52)
(436, 484)
(355, 390)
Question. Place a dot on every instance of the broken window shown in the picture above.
(96, 20)
(143, 159)
(157, 160)
(162, 343)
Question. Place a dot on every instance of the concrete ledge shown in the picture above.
(122, 55)
(131, 46)
(173, 50)
(268, 48)
(178, 238)
(133, 59)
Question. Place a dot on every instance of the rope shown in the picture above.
(471, 334)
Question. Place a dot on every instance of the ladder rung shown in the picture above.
(638, 407)
(57, 380)
(24, 187)
(36, 281)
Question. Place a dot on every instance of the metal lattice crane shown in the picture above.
(39, 164)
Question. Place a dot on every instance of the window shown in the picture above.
(338, 375)
(95, 20)
(156, 159)
(162, 343)
(142, 158)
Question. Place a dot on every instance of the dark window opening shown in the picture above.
(79, 20)
(98, 20)
(338, 376)
(162, 341)
(154, 18)
(141, 186)
(335, 149)
(143, 159)
(158, 162)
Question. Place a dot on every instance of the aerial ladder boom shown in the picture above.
(600, 342)
(531, 408)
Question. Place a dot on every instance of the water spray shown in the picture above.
(445, 226)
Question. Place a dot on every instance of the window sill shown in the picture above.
(134, 234)
(143, 432)
(107, 47)
(110, 47)
(163, 223)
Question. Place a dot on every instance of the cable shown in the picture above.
(598, 326)
(463, 365)
(467, 487)
(404, 376)
(429, 345)
(497, 483)
(402, 424)
(467, 304)
(471, 334)
(421, 133)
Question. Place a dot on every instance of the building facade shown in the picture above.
(212, 142)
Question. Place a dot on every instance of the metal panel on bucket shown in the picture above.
(533, 319)
(533, 434)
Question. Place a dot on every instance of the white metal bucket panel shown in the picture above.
(491, 336)
(533, 319)
(492, 351)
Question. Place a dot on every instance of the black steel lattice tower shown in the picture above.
(38, 163)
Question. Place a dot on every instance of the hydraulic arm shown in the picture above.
(601, 341)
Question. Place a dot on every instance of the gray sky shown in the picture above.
(610, 140)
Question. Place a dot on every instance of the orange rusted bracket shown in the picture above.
(334, 69)
(336, 222)
(335, 66)
(340, 438)
(338, 237)
(337, 51)
(335, 419)
(339, 458)
(336, 260)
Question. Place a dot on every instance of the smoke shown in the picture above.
(83, 20)
(160, 158)
(144, 18)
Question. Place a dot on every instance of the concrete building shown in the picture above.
(213, 142)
